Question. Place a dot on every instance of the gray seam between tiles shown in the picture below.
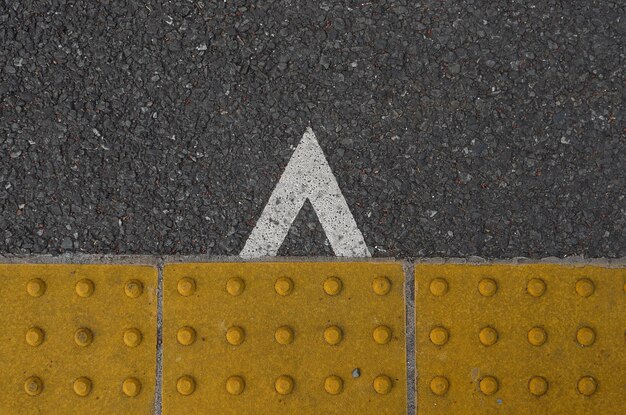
(409, 298)
(158, 398)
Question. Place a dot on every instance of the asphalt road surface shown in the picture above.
(454, 128)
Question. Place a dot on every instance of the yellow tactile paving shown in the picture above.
(520, 339)
(77, 339)
(288, 338)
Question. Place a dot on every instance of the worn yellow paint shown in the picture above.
(520, 339)
(62, 339)
(268, 338)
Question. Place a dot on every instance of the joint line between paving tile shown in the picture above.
(409, 284)
(158, 398)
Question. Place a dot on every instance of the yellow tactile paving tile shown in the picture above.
(520, 339)
(77, 339)
(288, 338)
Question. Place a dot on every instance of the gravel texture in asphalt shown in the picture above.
(454, 127)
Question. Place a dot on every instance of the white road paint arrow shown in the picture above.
(307, 176)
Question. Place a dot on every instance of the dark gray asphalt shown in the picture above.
(454, 127)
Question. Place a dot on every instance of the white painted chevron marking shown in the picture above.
(306, 177)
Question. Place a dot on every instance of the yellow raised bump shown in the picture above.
(235, 335)
(585, 287)
(488, 385)
(382, 384)
(537, 336)
(333, 335)
(133, 288)
(488, 336)
(439, 385)
(587, 385)
(284, 286)
(83, 337)
(82, 386)
(186, 385)
(284, 385)
(186, 335)
(333, 385)
(332, 286)
(438, 287)
(487, 287)
(84, 288)
(131, 387)
(235, 286)
(33, 386)
(132, 337)
(585, 336)
(536, 287)
(382, 334)
(35, 336)
(538, 385)
(439, 336)
(235, 385)
(36, 287)
(284, 335)
(381, 285)
(186, 286)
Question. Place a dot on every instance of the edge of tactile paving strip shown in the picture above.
(158, 260)
(81, 259)
(573, 260)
